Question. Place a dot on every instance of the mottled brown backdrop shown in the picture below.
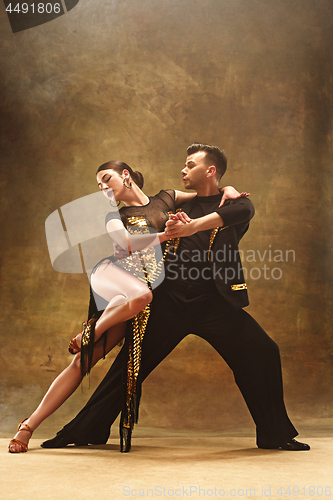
(139, 80)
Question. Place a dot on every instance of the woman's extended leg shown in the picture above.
(64, 386)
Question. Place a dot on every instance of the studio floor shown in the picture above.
(169, 465)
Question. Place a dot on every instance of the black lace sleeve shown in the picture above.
(171, 193)
(168, 196)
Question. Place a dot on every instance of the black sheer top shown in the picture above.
(155, 211)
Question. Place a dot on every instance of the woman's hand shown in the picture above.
(230, 193)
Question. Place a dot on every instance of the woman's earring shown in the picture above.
(130, 184)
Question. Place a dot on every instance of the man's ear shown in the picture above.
(211, 171)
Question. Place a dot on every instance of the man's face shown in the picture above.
(195, 171)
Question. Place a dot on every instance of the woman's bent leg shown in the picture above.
(126, 295)
(64, 386)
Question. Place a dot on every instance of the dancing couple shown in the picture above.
(201, 294)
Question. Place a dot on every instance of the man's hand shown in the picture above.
(230, 193)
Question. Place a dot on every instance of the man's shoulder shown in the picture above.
(243, 200)
(240, 205)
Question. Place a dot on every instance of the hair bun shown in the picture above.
(138, 178)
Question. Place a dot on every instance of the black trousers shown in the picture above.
(180, 309)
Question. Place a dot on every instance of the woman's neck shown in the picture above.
(135, 197)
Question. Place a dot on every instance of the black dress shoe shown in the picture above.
(294, 445)
(61, 440)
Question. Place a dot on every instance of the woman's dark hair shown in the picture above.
(119, 166)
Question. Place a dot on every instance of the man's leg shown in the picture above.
(255, 361)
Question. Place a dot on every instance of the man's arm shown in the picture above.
(237, 212)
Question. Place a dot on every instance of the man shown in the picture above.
(203, 293)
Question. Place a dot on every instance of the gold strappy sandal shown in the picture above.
(24, 447)
(73, 347)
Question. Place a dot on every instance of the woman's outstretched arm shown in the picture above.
(132, 242)
(228, 193)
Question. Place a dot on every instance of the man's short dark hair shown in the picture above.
(213, 154)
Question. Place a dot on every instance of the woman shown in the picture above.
(120, 282)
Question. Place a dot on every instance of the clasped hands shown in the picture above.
(178, 225)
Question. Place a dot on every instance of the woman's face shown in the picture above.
(111, 183)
